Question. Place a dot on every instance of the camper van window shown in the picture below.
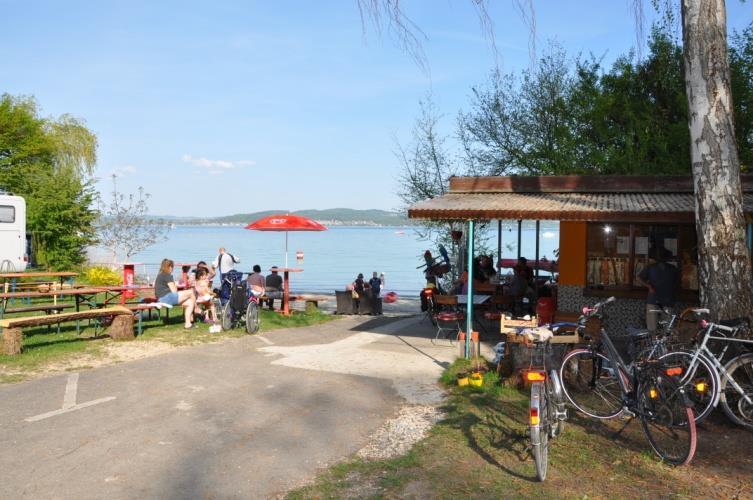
(7, 214)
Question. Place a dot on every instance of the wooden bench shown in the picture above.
(147, 306)
(47, 308)
(312, 301)
(120, 329)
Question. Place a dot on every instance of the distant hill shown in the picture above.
(331, 217)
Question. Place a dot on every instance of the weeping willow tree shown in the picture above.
(49, 162)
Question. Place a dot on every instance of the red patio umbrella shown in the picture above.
(286, 223)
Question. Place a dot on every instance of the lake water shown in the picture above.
(332, 258)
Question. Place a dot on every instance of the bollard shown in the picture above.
(475, 345)
(461, 344)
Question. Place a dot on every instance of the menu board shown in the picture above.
(623, 244)
(641, 245)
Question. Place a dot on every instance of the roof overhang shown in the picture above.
(569, 198)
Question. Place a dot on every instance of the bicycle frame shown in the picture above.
(703, 348)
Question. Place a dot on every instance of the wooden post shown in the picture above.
(12, 339)
(121, 327)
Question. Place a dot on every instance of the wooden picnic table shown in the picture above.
(121, 291)
(10, 278)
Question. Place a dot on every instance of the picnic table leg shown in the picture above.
(285, 294)
(78, 309)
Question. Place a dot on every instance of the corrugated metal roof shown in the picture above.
(626, 207)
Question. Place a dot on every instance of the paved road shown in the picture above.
(246, 418)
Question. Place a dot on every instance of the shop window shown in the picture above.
(617, 253)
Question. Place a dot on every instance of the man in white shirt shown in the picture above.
(225, 262)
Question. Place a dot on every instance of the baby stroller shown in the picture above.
(237, 303)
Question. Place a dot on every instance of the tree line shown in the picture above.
(571, 115)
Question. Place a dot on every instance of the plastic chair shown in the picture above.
(447, 317)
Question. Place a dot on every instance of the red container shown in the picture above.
(545, 310)
(129, 270)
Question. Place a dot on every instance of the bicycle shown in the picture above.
(595, 379)
(735, 377)
(701, 386)
(547, 412)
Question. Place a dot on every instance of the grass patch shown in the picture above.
(480, 450)
(45, 349)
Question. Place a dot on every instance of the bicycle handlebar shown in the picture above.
(590, 311)
(717, 326)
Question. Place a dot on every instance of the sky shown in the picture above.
(225, 107)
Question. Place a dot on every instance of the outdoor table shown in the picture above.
(122, 291)
(10, 278)
(477, 299)
(286, 287)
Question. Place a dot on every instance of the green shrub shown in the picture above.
(102, 276)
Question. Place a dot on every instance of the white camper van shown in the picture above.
(13, 255)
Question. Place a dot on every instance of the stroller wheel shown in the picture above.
(252, 318)
(226, 317)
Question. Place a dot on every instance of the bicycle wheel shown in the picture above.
(540, 429)
(252, 318)
(701, 388)
(667, 419)
(590, 383)
(556, 404)
(740, 411)
(226, 317)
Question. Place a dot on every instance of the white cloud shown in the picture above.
(216, 167)
(122, 171)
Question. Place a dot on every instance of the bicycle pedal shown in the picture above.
(626, 414)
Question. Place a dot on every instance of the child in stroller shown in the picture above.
(237, 303)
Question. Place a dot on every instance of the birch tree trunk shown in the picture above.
(724, 271)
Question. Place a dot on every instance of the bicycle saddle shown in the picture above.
(637, 333)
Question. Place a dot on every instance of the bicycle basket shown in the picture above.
(685, 331)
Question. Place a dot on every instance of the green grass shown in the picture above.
(479, 450)
(43, 348)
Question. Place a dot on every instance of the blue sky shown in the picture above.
(227, 107)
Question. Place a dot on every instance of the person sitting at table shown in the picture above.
(167, 292)
(273, 285)
(256, 282)
(521, 285)
(486, 268)
(204, 296)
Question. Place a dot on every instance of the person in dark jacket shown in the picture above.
(662, 280)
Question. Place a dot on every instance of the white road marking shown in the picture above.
(183, 406)
(265, 340)
(71, 388)
(62, 411)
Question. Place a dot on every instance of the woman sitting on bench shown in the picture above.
(167, 292)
